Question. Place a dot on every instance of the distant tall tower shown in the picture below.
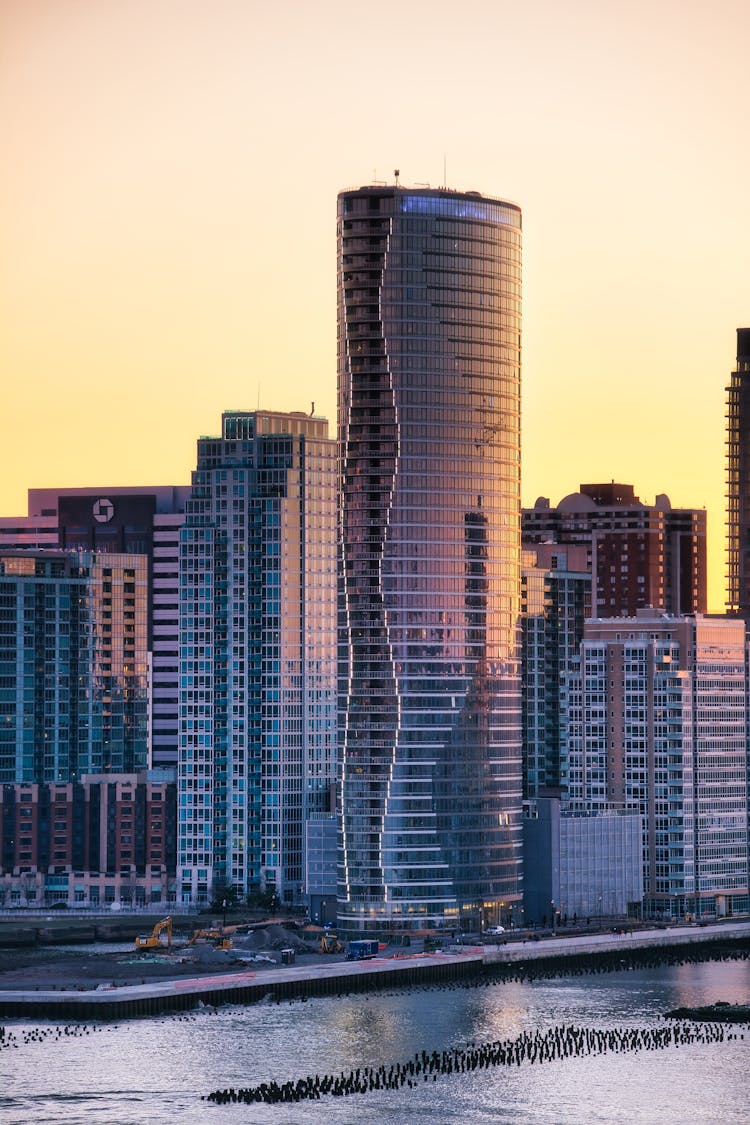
(429, 360)
(257, 654)
(738, 481)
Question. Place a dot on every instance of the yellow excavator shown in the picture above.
(153, 940)
(217, 938)
(329, 943)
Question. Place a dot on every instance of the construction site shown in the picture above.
(82, 954)
(272, 962)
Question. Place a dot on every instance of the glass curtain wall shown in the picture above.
(429, 321)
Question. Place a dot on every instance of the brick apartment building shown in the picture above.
(106, 839)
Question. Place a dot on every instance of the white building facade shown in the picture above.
(655, 719)
(257, 661)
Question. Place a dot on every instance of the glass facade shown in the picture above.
(139, 520)
(44, 668)
(257, 654)
(429, 346)
(589, 865)
(74, 685)
(601, 865)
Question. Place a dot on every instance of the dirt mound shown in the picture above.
(273, 937)
(207, 955)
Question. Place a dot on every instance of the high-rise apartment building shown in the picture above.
(655, 719)
(738, 480)
(429, 352)
(73, 665)
(132, 520)
(641, 554)
(257, 654)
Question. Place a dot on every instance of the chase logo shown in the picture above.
(103, 511)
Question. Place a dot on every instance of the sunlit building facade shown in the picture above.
(639, 554)
(429, 351)
(257, 655)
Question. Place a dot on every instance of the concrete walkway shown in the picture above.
(611, 942)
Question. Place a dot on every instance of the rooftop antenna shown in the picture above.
(396, 173)
(312, 410)
(445, 171)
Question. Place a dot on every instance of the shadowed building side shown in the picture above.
(738, 481)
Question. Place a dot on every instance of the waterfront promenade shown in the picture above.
(251, 986)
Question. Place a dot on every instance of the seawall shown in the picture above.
(554, 956)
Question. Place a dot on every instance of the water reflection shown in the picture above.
(141, 1072)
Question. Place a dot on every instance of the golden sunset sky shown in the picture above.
(169, 171)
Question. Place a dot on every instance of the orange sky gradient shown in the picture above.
(167, 220)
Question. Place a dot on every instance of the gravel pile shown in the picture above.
(274, 937)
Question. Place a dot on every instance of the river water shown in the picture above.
(151, 1071)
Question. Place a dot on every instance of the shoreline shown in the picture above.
(184, 989)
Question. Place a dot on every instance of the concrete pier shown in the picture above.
(618, 941)
(252, 986)
(240, 987)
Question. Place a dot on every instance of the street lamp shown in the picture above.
(224, 908)
(552, 904)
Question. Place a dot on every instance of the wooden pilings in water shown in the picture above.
(528, 1048)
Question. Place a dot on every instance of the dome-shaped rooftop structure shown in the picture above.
(576, 502)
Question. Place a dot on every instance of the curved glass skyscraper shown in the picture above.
(429, 350)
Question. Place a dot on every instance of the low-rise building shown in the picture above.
(102, 840)
(321, 862)
(581, 866)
